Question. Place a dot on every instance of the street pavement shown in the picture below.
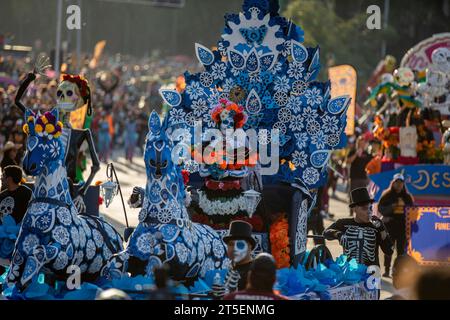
(134, 174)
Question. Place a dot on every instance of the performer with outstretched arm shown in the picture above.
(73, 92)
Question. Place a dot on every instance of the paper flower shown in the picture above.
(279, 241)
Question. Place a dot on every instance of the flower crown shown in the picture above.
(45, 125)
(81, 83)
(236, 111)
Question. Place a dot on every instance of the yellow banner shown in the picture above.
(77, 117)
(343, 82)
(98, 50)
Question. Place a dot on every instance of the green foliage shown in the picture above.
(342, 41)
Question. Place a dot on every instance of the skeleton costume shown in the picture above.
(14, 203)
(236, 277)
(360, 241)
(73, 92)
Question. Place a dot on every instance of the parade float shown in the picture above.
(412, 123)
(254, 128)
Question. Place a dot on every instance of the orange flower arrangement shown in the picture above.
(235, 110)
(279, 241)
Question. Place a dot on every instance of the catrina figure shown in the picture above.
(73, 92)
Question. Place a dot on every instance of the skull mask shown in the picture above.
(240, 250)
(441, 59)
(68, 97)
(6, 207)
(404, 76)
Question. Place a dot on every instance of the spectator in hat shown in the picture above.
(9, 154)
(392, 208)
(361, 236)
(240, 244)
(260, 280)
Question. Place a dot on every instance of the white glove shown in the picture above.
(79, 204)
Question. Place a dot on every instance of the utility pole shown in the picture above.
(79, 60)
(385, 25)
(58, 36)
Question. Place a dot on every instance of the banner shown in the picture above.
(343, 82)
(419, 57)
(78, 117)
(419, 179)
(98, 50)
(428, 235)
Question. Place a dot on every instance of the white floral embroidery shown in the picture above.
(218, 71)
(208, 265)
(54, 149)
(295, 104)
(218, 248)
(280, 126)
(296, 123)
(75, 236)
(319, 140)
(199, 107)
(299, 158)
(98, 238)
(264, 137)
(310, 175)
(145, 243)
(201, 251)
(309, 114)
(284, 115)
(282, 84)
(313, 127)
(313, 97)
(194, 90)
(61, 261)
(301, 139)
(29, 242)
(333, 140)
(281, 98)
(206, 79)
(182, 252)
(64, 216)
(298, 87)
(61, 235)
(295, 70)
(90, 249)
(82, 235)
(177, 116)
(276, 68)
(330, 124)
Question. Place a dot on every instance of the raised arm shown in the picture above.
(40, 66)
(23, 87)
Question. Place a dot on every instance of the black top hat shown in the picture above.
(359, 196)
(240, 230)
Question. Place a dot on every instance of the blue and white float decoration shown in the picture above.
(165, 233)
(262, 64)
(53, 236)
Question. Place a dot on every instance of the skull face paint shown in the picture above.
(68, 97)
(240, 250)
(404, 76)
